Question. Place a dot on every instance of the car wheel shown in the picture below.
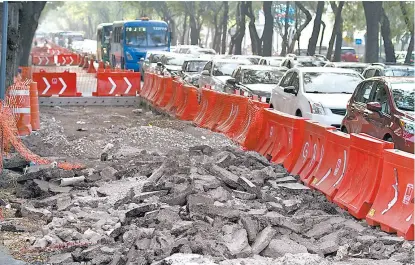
(389, 139)
(344, 129)
(298, 113)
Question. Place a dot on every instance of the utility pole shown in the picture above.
(4, 50)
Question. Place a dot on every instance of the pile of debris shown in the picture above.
(201, 206)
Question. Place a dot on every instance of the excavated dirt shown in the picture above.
(170, 193)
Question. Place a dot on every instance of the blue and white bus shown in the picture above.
(131, 40)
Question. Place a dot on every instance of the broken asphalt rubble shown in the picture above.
(203, 206)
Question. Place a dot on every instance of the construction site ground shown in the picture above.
(156, 190)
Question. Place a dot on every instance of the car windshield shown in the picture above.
(326, 82)
(195, 66)
(173, 60)
(251, 76)
(403, 95)
(344, 51)
(356, 68)
(224, 68)
(146, 36)
(404, 71)
(275, 62)
(207, 52)
(306, 62)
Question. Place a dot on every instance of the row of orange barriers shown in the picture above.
(359, 173)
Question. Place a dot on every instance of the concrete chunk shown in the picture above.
(141, 210)
(226, 176)
(244, 195)
(263, 239)
(279, 247)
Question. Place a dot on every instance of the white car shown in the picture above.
(272, 61)
(216, 72)
(254, 59)
(318, 93)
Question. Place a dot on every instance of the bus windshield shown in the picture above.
(107, 34)
(145, 36)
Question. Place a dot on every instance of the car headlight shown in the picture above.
(129, 57)
(407, 126)
(219, 86)
(317, 108)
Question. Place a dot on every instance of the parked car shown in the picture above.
(292, 61)
(254, 59)
(358, 67)
(151, 60)
(384, 108)
(191, 70)
(381, 69)
(201, 51)
(173, 62)
(185, 48)
(255, 79)
(272, 61)
(348, 54)
(317, 93)
(216, 72)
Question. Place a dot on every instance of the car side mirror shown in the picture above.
(159, 64)
(290, 89)
(205, 72)
(231, 81)
(374, 106)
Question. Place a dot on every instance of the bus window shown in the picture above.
(157, 38)
(136, 36)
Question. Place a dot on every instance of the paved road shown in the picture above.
(5, 258)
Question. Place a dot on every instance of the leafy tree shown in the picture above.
(410, 25)
(372, 13)
(316, 29)
(386, 35)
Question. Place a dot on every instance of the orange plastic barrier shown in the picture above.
(43, 60)
(117, 84)
(148, 83)
(190, 105)
(34, 107)
(233, 115)
(393, 207)
(154, 87)
(60, 84)
(159, 90)
(314, 145)
(67, 59)
(332, 168)
(167, 93)
(207, 105)
(170, 106)
(101, 65)
(91, 68)
(179, 100)
(214, 114)
(249, 132)
(18, 97)
(360, 184)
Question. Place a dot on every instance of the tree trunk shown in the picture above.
(224, 25)
(268, 32)
(194, 33)
(30, 14)
(336, 27)
(387, 42)
(285, 36)
(255, 40)
(208, 36)
(322, 36)
(312, 44)
(302, 27)
(184, 30)
(372, 13)
(339, 42)
(411, 30)
(240, 32)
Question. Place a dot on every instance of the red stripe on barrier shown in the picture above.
(56, 84)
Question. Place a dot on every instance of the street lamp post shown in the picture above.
(4, 50)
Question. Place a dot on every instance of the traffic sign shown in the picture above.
(358, 41)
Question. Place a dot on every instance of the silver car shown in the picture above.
(216, 72)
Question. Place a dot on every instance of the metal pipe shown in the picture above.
(4, 49)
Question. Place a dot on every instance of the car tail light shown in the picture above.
(357, 57)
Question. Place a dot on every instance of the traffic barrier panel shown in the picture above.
(170, 108)
(91, 68)
(248, 134)
(159, 90)
(360, 184)
(328, 175)
(166, 94)
(314, 145)
(43, 60)
(18, 98)
(207, 105)
(214, 116)
(393, 207)
(179, 99)
(67, 59)
(233, 115)
(56, 84)
(117, 84)
(148, 83)
(190, 105)
(34, 107)
(154, 87)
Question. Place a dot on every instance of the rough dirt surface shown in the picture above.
(170, 193)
